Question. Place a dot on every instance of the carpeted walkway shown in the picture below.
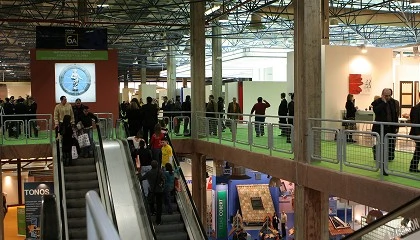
(10, 225)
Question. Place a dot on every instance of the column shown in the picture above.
(311, 214)
(171, 67)
(198, 169)
(325, 14)
(216, 43)
(143, 73)
(197, 64)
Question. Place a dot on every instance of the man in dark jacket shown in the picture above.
(9, 109)
(86, 119)
(78, 110)
(20, 109)
(157, 182)
(415, 131)
(150, 118)
(33, 126)
(291, 108)
(386, 109)
(282, 113)
(186, 107)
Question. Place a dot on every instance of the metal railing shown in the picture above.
(99, 226)
(31, 128)
(390, 153)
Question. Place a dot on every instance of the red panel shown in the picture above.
(107, 85)
(241, 96)
(355, 81)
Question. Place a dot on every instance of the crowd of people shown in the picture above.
(12, 110)
(74, 125)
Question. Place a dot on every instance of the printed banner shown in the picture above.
(21, 223)
(221, 214)
(33, 200)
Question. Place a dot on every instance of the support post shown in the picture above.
(171, 78)
(198, 41)
(217, 62)
(198, 166)
(311, 211)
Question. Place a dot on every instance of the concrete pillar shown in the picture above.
(125, 81)
(198, 41)
(198, 169)
(311, 214)
(216, 43)
(311, 207)
(143, 74)
(325, 14)
(171, 67)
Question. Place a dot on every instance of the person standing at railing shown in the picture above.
(176, 116)
(282, 112)
(350, 115)
(211, 109)
(291, 109)
(186, 107)
(386, 109)
(150, 118)
(20, 109)
(33, 125)
(233, 107)
(9, 109)
(259, 109)
(415, 131)
(221, 110)
(134, 118)
(60, 110)
(87, 118)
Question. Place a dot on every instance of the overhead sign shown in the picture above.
(33, 200)
(71, 38)
(71, 55)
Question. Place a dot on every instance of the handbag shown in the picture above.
(83, 140)
(74, 154)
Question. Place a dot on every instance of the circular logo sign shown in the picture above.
(75, 80)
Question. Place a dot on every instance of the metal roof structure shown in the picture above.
(142, 29)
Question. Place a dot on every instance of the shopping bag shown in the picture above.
(83, 140)
(74, 154)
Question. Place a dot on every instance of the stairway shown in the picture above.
(79, 178)
(172, 226)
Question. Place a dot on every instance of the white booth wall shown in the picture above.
(340, 61)
(406, 69)
(269, 91)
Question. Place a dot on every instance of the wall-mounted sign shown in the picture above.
(227, 171)
(33, 200)
(71, 38)
(75, 80)
(71, 55)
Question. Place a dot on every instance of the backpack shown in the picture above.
(160, 182)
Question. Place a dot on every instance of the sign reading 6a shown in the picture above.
(72, 40)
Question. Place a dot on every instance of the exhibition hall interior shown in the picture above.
(218, 119)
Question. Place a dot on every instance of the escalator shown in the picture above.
(74, 182)
(79, 178)
(402, 223)
(183, 223)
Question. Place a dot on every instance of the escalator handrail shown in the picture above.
(146, 204)
(60, 190)
(108, 186)
(50, 223)
(181, 173)
(385, 219)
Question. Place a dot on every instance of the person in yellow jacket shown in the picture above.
(167, 152)
(62, 109)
